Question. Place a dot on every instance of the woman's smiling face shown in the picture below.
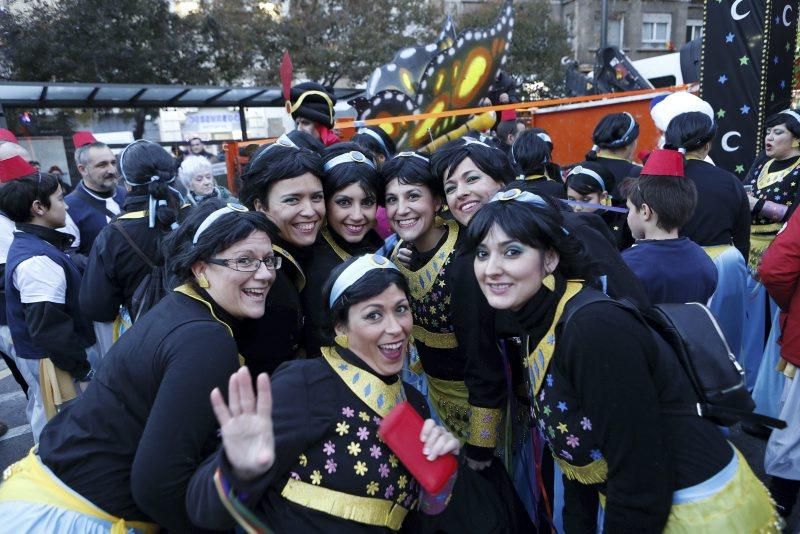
(467, 189)
(297, 207)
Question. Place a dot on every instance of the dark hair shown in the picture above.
(181, 253)
(17, 196)
(672, 198)
(274, 163)
(148, 169)
(410, 170)
(530, 153)
(384, 148)
(506, 128)
(791, 123)
(689, 131)
(306, 140)
(490, 160)
(538, 131)
(611, 132)
(344, 174)
(537, 226)
(371, 284)
(193, 138)
(584, 184)
(55, 168)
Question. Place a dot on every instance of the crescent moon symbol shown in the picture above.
(727, 147)
(735, 14)
(786, 22)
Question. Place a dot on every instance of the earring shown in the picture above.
(342, 341)
(549, 282)
(795, 144)
(202, 281)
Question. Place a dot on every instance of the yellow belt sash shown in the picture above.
(450, 399)
(30, 481)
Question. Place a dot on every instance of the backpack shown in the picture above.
(152, 288)
(690, 333)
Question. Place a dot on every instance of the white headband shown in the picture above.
(355, 271)
(348, 157)
(375, 135)
(213, 216)
(473, 141)
(589, 172)
(409, 154)
(792, 113)
(283, 141)
(520, 196)
(544, 137)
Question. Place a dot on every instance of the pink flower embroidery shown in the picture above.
(375, 451)
(586, 423)
(329, 448)
(330, 466)
(389, 492)
(384, 470)
(363, 433)
(294, 475)
(376, 420)
(347, 411)
(573, 441)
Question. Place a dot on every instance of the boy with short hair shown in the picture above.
(673, 269)
(42, 285)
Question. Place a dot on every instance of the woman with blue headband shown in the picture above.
(121, 458)
(596, 383)
(303, 454)
(614, 144)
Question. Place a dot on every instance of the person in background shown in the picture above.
(507, 132)
(660, 201)
(311, 107)
(198, 178)
(56, 171)
(614, 144)
(537, 172)
(198, 148)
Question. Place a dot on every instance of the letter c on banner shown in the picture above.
(727, 147)
(734, 13)
(786, 22)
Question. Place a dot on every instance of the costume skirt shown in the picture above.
(730, 298)
(782, 458)
(769, 382)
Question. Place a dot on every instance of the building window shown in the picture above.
(616, 32)
(694, 29)
(656, 28)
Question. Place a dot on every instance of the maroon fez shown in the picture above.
(15, 167)
(664, 163)
(8, 135)
(82, 138)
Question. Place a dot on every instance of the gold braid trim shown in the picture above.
(533, 177)
(593, 473)
(300, 279)
(342, 253)
(366, 510)
(420, 282)
(766, 178)
(435, 340)
(484, 426)
(375, 393)
(450, 401)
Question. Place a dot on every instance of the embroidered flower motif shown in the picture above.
(376, 420)
(566, 455)
(389, 492)
(547, 410)
(329, 448)
(596, 454)
(541, 424)
(342, 428)
(402, 481)
(485, 434)
(408, 502)
(316, 477)
(384, 470)
(401, 496)
(354, 448)
(294, 475)
(393, 460)
(541, 396)
(562, 428)
(361, 468)
(551, 432)
(562, 406)
(586, 423)
(573, 440)
(363, 433)
(302, 460)
(347, 411)
(364, 416)
(549, 380)
(375, 451)
(372, 488)
(330, 466)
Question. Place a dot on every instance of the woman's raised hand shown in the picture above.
(246, 424)
(437, 440)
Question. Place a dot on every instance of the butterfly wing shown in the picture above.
(388, 103)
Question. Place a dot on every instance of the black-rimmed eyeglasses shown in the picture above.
(248, 264)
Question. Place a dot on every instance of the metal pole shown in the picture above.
(243, 123)
(603, 23)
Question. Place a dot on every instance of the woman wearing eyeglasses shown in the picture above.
(350, 184)
(122, 456)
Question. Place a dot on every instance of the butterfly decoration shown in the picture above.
(456, 77)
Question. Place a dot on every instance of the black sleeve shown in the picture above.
(741, 227)
(484, 375)
(52, 329)
(101, 293)
(604, 352)
(181, 426)
(78, 259)
(297, 422)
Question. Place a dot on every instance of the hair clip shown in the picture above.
(348, 157)
(520, 196)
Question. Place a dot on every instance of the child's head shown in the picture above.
(589, 183)
(661, 198)
(36, 198)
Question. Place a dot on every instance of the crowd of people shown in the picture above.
(192, 362)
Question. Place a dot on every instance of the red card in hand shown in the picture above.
(400, 430)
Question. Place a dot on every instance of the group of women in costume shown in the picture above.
(300, 321)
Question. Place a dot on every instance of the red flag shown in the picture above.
(286, 74)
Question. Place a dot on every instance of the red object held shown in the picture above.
(286, 74)
(400, 430)
(664, 163)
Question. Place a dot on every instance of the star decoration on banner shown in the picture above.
(775, 60)
(729, 38)
(745, 109)
(782, 85)
(739, 169)
(777, 20)
(723, 79)
(721, 114)
(788, 46)
(744, 60)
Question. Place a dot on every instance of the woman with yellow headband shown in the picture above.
(120, 459)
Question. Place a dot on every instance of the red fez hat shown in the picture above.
(13, 168)
(8, 135)
(664, 163)
(82, 138)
